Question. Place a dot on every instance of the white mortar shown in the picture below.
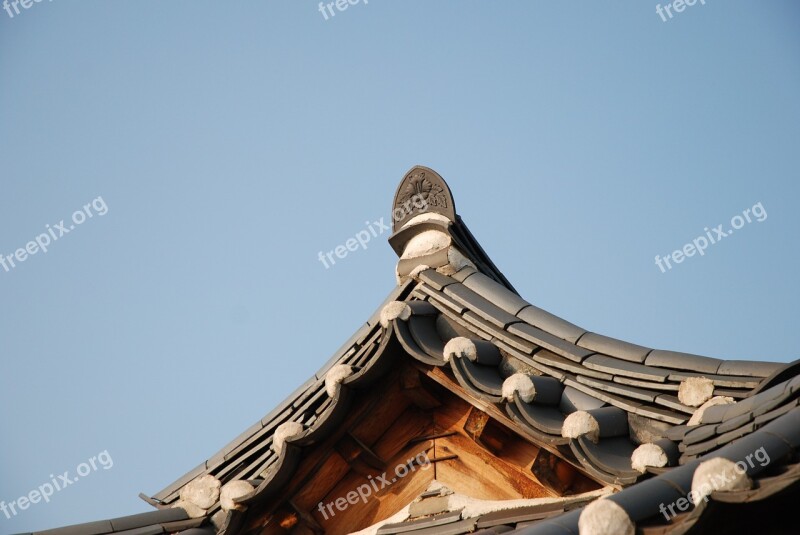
(520, 383)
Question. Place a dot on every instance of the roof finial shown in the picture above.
(422, 190)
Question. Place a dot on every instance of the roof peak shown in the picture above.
(422, 190)
(429, 233)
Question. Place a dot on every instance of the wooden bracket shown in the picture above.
(417, 440)
(352, 450)
(481, 428)
(415, 390)
(308, 521)
(553, 472)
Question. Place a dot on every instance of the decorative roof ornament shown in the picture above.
(422, 190)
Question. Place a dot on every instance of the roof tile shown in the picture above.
(682, 361)
(496, 293)
(614, 347)
(551, 323)
(622, 390)
(436, 280)
(481, 306)
(749, 368)
(549, 341)
(623, 367)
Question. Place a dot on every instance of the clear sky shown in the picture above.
(231, 142)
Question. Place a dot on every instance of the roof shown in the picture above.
(643, 421)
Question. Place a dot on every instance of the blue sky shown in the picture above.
(232, 142)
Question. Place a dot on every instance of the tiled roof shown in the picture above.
(153, 523)
(583, 378)
(595, 401)
(453, 516)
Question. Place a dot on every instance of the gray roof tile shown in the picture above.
(670, 449)
(775, 413)
(602, 395)
(668, 400)
(496, 293)
(424, 333)
(552, 439)
(612, 455)
(612, 421)
(715, 414)
(768, 405)
(734, 423)
(731, 393)
(462, 274)
(747, 367)
(577, 447)
(613, 347)
(403, 333)
(482, 307)
(413, 525)
(623, 367)
(146, 519)
(621, 390)
(700, 434)
(682, 361)
(551, 359)
(422, 308)
(647, 385)
(156, 529)
(436, 280)
(739, 432)
(749, 404)
(208, 530)
(505, 336)
(549, 341)
(90, 528)
(548, 390)
(573, 399)
(729, 381)
(660, 414)
(444, 299)
(546, 419)
(551, 323)
(644, 503)
(676, 433)
(186, 478)
(483, 381)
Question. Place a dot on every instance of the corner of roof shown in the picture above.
(429, 233)
(422, 190)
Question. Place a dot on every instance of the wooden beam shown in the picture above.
(443, 458)
(476, 472)
(415, 390)
(352, 449)
(371, 416)
(449, 383)
(482, 429)
(307, 520)
(552, 472)
(367, 455)
(431, 437)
